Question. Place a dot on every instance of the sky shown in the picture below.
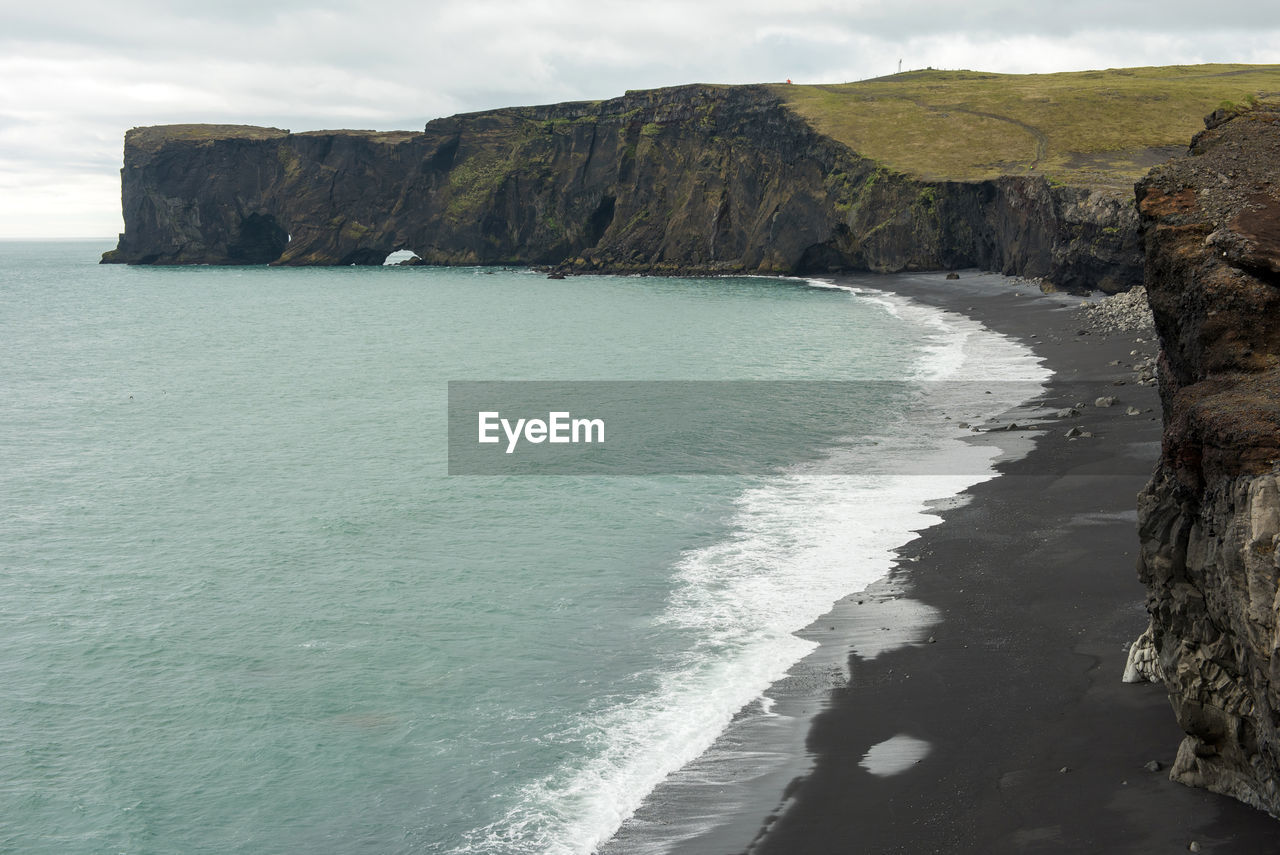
(76, 74)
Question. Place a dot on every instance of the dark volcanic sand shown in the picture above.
(1039, 598)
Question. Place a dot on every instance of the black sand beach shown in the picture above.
(1035, 745)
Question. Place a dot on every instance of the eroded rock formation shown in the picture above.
(1209, 520)
(689, 179)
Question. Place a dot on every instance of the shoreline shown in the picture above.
(1024, 600)
(714, 803)
(1032, 742)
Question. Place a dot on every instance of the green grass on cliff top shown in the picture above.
(156, 135)
(1104, 128)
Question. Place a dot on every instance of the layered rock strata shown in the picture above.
(1209, 520)
(688, 179)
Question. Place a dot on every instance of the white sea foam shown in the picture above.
(799, 543)
(895, 755)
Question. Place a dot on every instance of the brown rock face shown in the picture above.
(1210, 518)
(717, 179)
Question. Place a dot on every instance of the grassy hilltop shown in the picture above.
(1096, 128)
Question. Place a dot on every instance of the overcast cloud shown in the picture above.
(74, 76)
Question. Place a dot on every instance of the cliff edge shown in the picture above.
(690, 179)
(1209, 521)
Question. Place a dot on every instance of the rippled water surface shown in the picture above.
(243, 609)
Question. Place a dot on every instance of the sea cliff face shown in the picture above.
(1209, 520)
(681, 180)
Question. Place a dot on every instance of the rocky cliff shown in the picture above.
(1209, 520)
(688, 179)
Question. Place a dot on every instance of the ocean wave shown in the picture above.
(799, 543)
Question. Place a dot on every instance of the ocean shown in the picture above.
(244, 608)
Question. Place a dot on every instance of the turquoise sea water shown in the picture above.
(243, 609)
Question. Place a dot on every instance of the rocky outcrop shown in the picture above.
(688, 179)
(1209, 520)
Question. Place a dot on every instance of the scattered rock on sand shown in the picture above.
(1068, 413)
(1153, 766)
(1105, 401)
(1127, 310)
(1133, 411)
